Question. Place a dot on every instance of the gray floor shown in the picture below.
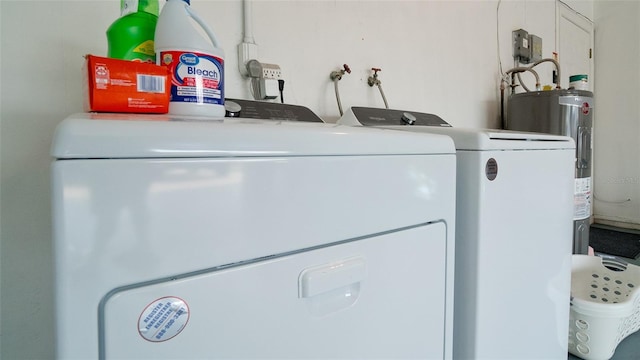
(629, 348)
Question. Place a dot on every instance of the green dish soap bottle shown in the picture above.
(131, 36)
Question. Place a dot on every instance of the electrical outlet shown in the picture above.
(259, 70)
(264, 79)
(271, 71)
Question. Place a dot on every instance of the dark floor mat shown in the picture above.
(613, 242)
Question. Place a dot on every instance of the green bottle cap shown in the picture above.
(580, 77)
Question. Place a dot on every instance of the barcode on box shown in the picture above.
(151, 83)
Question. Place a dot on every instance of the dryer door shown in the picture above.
(372, 297)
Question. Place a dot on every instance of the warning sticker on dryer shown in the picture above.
(163, 319)
(582, 199)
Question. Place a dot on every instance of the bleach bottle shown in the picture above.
(196, 63)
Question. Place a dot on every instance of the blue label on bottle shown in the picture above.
(195, 77)
(189, 59)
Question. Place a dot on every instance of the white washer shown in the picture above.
(248, 238)
(514, 231)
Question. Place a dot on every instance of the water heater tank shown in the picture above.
(569, 113)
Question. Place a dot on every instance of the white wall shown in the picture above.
(436, 56)
(617, 113)
(583, 7)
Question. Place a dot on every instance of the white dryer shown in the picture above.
(514, 231)
(248, 238)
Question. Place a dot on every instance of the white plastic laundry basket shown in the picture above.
(605, 306)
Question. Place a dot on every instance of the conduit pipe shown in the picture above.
(247, 9)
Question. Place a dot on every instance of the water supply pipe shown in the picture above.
(557, 65)
(518, 70)
(373, 80)
(336, 76)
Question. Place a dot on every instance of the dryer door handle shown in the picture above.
(323, 278)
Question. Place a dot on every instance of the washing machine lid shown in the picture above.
(91, 136)
(464, 138)
(494, 139)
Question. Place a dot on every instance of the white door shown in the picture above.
(574, 43)
(377, 297)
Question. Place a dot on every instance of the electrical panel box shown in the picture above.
(521, 50)
(527, 48)
(535, 46)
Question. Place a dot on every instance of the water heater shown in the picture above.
(569, 113)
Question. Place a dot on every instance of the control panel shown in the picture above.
(385, 117)
(250, 109)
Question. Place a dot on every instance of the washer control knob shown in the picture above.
(408, 119)
(232, 109)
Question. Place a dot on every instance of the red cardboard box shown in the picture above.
(114, 85)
